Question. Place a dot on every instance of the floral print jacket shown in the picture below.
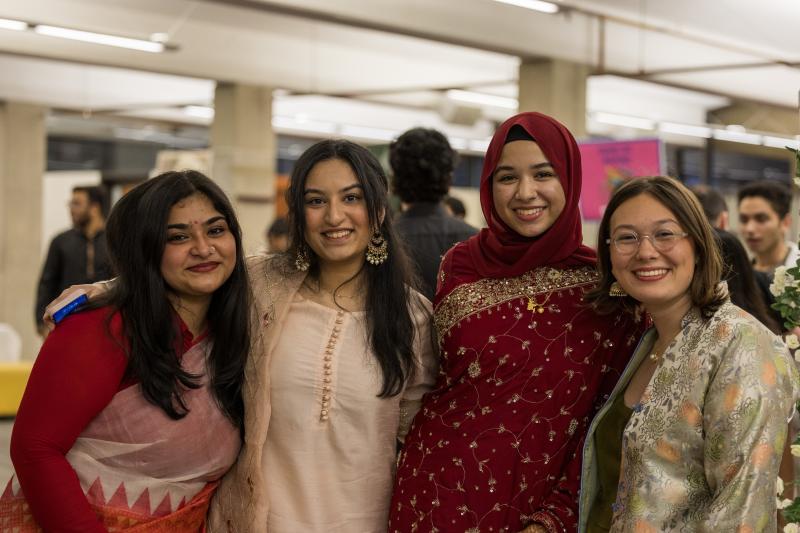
(701, 451)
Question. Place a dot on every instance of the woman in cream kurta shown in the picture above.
(329, 464)
(320, 438)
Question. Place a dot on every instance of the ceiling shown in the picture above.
(386, 63)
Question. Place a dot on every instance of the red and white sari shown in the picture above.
(139, 469)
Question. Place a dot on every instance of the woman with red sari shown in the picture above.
(133, 410)
(525, 363)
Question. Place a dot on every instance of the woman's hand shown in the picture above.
(68, 295)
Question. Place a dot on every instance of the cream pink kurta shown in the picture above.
(330, 450)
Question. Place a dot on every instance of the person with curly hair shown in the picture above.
(422, 163)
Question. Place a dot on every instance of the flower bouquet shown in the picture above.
(786, 289)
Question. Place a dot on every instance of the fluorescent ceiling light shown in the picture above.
(8, 24)
(458, 143)
(99, 38)
(625, 120)
(536, 5)
(736, 136)
(200, 111)
(307, 126)
(479, 145)
(685, 129)
(490, 100)
(780, 142)
(364, 132)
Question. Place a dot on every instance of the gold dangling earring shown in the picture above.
(377, 249)
(302, 261)
(616, 290)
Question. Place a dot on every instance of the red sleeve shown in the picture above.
(77, 373)
(559, 510)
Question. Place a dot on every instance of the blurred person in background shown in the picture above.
(455, 207)
(278, 236)
(422, 163)
(742, 282)
(78, 255)
(714, 206)
(759, 304)
(133, 410)
(764, 224)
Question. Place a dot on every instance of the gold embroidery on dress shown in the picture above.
(473, 298)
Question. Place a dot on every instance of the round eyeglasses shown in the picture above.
(628, 242)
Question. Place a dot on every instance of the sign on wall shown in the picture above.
(609, 164)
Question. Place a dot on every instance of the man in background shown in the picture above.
(78, 255)
(764, 223)
(278, 236)
(422, 164)
(456, 207)
(714, 206)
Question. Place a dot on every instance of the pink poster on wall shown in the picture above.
(608, 164)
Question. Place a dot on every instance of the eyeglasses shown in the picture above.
(662, 240)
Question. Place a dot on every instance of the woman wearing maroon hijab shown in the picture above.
(525, 363)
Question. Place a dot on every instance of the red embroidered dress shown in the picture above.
(525, 364)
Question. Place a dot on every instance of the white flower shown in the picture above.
(797, 181)
(783, 504)
(792, 342)
(778, 282)
(795, 450)
(779, 486)
(791, 528)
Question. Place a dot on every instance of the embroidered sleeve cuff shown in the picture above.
(549, 520)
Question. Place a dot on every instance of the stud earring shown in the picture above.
(302, 261)
(377, 249)
(616, 290)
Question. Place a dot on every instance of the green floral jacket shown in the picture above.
(702, 449)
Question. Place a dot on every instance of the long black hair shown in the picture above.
(741, 278)
(389, 321)
(137, 234)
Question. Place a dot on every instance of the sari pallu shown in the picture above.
(525, 364)
(139, 469)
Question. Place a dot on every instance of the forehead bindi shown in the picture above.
(195, 210)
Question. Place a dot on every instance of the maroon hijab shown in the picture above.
(498, 251)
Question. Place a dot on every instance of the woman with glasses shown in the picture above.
(692, 435)
(525, 363)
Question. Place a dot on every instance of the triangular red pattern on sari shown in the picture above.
(15, 514)
(120, 497)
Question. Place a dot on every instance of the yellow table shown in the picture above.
(13, 378)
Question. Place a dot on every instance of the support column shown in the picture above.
(556, 88)
(22, 164)
(244, 148)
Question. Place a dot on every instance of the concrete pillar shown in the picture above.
(244, 148)
(556, 88)
(22, 165)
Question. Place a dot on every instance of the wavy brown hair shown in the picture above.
(673, 195)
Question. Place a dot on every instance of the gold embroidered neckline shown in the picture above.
(474, 297)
